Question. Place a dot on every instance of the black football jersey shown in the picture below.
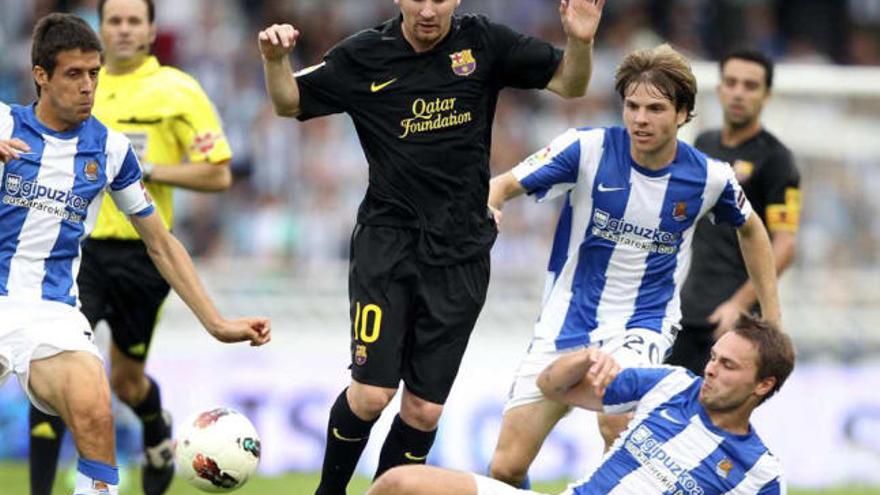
(765, 168)
(424, 121)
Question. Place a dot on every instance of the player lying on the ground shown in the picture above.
(689, 434)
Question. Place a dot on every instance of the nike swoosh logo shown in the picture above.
(375, 88)
(668, 417)
(604, 188)
(346, 439)
(415, 458)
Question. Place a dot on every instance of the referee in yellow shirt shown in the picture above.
(177, 135)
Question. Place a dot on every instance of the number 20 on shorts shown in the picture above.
(367, 322)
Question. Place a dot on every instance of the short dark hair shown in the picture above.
(775, 350)
(56, 33)
(750, 55)
(151, 10)
(665, 69)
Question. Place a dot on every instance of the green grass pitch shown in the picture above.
(13, 481)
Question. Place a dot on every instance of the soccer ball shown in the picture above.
(218, 450)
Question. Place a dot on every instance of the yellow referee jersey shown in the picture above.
(169, 119)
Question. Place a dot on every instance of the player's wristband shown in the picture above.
(147, 172)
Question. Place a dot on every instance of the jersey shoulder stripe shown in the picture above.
(117, 147)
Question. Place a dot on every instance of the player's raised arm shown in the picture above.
(276, 43)
(580, 20)
(176, 266)
(754, 243)
(579, 378)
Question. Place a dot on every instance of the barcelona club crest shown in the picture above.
(91, 170)
(463, 63)
(680, 211)
(360, 355)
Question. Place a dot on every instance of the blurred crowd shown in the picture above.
(298, 185)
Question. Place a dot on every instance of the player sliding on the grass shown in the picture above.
(689, 435)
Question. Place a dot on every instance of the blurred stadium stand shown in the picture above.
(278, 242)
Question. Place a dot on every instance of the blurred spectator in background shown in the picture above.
(278, 167)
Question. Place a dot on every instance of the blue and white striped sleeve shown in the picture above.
(553, 170)
(732, 206)
(625, 392)
(124, 175)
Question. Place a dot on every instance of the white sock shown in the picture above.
(89, 486)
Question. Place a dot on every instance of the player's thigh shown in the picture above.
(137, 293)
(68, 381)
(382, 275)
(33, 331)
(523, 431)
(449, 302)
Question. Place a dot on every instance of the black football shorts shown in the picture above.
(119, 283)
(411, 321)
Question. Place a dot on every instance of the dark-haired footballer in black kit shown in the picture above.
(717, 289)
(421, 90)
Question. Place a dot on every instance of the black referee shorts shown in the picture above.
(410, 321)
(692, 346)
(119, 283)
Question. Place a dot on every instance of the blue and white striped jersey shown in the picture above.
(623, 242)
(672, 447)
(51, 197)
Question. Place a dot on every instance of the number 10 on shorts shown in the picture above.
(367, 322)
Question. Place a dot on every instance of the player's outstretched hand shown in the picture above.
(580, 18)
(256, 330)
(277, 41)
(10, 149)
(602, 372)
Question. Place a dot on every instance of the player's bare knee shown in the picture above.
(125, 387)
(506, 468)
(369, 402)
(420, 414)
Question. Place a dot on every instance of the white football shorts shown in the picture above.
(636, 347)
(34, 330)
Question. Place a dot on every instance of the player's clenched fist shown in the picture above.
(277, 41)
(256, 330)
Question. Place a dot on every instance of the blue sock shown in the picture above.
(98, 471)
(96, 478)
